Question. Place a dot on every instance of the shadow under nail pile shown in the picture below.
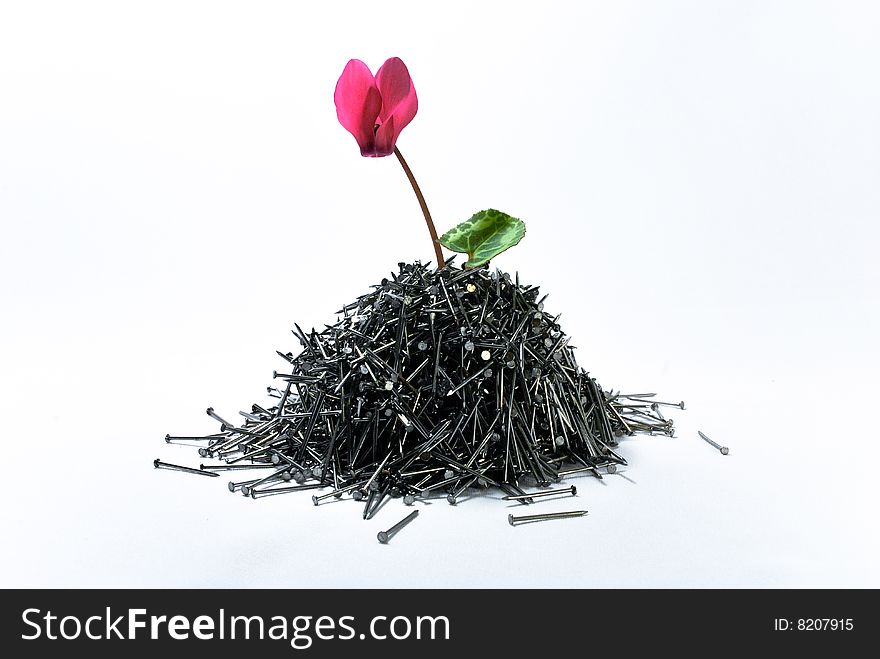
(433, 383)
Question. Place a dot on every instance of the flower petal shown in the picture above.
(358, 103)
(398, 93)
(386, 137)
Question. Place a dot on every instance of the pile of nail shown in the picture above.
(434, 383)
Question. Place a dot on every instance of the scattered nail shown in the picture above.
(522, 519)
(549, 493)
(724, 450)
(385, 536)
(158, 464)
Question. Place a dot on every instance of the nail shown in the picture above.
(452, 498)
(369, 504)
(241, 485)
(256, 494)
(336, 493)
(280, 473)
(379, 499)
(233, 467)
(724, 450)
(549, 493)
(385, 536)
(657, 402)
(210, 412)
(540, 518)
(170, 439)
(158, 464)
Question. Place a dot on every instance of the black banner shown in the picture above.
(431, 623)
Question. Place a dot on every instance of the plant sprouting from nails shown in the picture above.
(375, 109)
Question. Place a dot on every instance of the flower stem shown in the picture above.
(415, 186)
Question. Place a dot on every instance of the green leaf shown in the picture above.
(484, 236)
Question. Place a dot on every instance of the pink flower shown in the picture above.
(375, 110)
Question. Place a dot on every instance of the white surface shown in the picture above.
(168, 172)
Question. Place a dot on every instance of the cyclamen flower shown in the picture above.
(375, 109)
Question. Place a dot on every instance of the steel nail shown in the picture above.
(158, 464)
(549, 493)
(385, 536)
(514, 520)
(724, 450)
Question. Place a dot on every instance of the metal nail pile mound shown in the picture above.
(433, 383)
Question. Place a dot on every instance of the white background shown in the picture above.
(700, 186)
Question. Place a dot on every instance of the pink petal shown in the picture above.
(386, 137)
(394, 84)
(399, 101)
(358, 103)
